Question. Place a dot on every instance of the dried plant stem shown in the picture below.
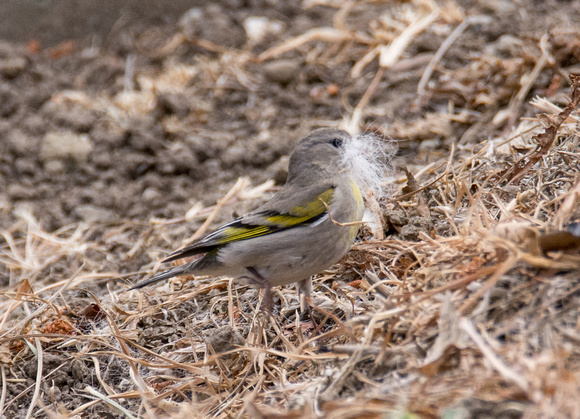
(443, 48)
(39, 366)
(238, 186)
(4, 389)
(506, 372)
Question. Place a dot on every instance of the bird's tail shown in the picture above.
(178, 270)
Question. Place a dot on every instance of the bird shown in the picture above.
(305, 228)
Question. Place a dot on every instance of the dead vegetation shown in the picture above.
(471, 310)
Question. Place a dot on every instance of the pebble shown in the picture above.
(258, 27)
(20, 192)
(11, 67)
(60, 145)
(54, 167)
(151, 195)
(281, 71)
(223, 30)
(19, 142)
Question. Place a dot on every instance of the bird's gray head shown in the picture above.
(318, 155)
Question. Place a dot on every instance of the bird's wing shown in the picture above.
(265, 220)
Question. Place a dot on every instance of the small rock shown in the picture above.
(25, 166)
(506, 46)
(174, 104)
(60, 145)
(499, 7)
(223, 29)
(180, 156)
(67, 113)
(11, 67)
(396, 217)
(233, 155)
(108, 132)
(91, 213)
(151, 194)
(190, 18)
(257, 27)
(281, 71)
(414, 227)
(19, 142)
(79, 370)
(432, 144)
(34, 124)
(224, 338)
(211, 168)
(54, 167)
(20, 192)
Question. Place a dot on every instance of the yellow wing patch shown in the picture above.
(315, 207)
(302, 214)
(232, 234)
(298, 215)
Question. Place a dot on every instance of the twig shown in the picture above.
(322, 34)
(442, 50)
(391, 53)
(512, 111)
(422, 188)
(545, 139)
(238, 186)
(133, 371)
(570, 204)
(499, 272)
(110, 402)
(353, 123)
(39, 366)
(22, 324)
(4, 390)
(353, 223)
(505, 371)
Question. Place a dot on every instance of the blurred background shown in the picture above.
(55, 21)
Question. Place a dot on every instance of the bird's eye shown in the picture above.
(336, 142)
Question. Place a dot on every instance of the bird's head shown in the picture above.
(320, 154)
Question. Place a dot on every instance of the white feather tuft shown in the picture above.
(368, 157)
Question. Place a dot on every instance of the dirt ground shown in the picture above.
(119, 135)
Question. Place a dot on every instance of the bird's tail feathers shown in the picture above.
(178, 270)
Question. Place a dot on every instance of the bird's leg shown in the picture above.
(265, 284)
(304, 292)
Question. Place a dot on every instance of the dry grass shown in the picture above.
(473, 316)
